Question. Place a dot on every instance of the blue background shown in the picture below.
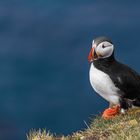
(44, 45)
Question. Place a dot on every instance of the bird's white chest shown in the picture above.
(103, 85)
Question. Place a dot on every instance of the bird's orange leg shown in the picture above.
(110, 113)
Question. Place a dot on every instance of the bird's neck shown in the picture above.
(105, 63)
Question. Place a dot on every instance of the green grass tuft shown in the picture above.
(122, 127)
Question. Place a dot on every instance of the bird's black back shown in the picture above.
(125, 78)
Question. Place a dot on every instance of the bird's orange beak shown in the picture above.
(91, 56)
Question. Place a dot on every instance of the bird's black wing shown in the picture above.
(126, 79)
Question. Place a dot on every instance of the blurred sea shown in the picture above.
(44, 81)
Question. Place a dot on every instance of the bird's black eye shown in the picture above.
(103, 46)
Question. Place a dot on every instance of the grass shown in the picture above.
(122, 127)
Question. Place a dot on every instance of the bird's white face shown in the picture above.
(102, 50)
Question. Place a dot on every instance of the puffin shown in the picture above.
(115, 82)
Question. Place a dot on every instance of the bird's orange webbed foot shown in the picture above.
(110, 113)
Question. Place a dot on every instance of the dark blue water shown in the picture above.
(44, 46)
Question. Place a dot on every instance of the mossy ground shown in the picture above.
(122, 127)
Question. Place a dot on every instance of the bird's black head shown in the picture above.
(102, 47)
